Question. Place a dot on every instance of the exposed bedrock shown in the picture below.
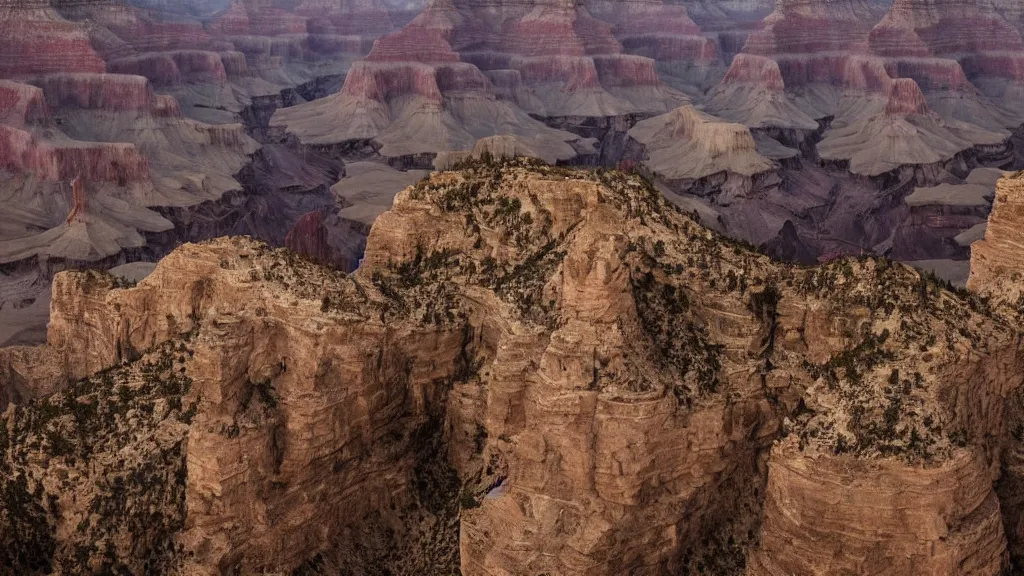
(893, 518)
(665, 33)
(996, 267)
(581, 380)
(930, 232)
(457, 73)
(972, 40)
(686, 144)
(904, 132)
(175, 68)
(411, 108)
(35, 39)
(996, 261)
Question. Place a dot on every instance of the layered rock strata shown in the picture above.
(955, 49)
(802, 60)
(456, 74)
(666, 34)
(995, 260)
(905, 132)
(534, 370)
(686, 144)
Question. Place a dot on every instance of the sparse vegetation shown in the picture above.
(91, 428)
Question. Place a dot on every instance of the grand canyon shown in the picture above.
(512, 287)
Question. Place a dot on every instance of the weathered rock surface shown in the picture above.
(534, 370)
(458, 73)
(688, 144)
(996, 260)
(977, 44)
(905, 132)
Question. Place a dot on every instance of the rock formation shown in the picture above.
(945, 220)
(125, 148)
(665, 33)
(54, 44)
(688, 144)
(800, 61)
(729, 22)
(905, 132)
(456, 74)
(534, 370)
(956, 49)
(995, 260)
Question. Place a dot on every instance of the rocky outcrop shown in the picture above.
(945, 220)
(905, 132)
(805, 46)
(411, 108)
(932, 40)
(311, 237)
(687, 144)
(456, 74)
(995, 260)
(53, 45)
(534, 370)
(753, 93)
(875, 506)
(685, 57)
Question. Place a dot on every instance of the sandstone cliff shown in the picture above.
(996, 259)
(534, 370)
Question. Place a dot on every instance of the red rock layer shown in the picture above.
(254, 19)
(20, 151)
(309, 237)
(657, 30)
(380, 83)
(812, 27)
(942, 27)
(970, 34)
(751, 69)
(905, 97)
(119, 30)
(812, 42)
(537, 42)
(357, 17)
(173, 68)
(111, 92)
(36, 40)
(20, 104)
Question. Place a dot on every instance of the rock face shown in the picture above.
(687, 144)
(995, 260)
(124, 148)
(806, 46)
(143, 103)
(54, 45)
(684, 56)
(905, 132)
(457, 73)
(943, 44)
(534, 370)
(833, 63)
(876, 101)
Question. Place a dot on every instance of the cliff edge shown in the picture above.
(534, 370)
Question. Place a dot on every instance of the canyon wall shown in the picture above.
(534, 369)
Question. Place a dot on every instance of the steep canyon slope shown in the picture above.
(127, 129)
(806, 127)
(534, 370)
